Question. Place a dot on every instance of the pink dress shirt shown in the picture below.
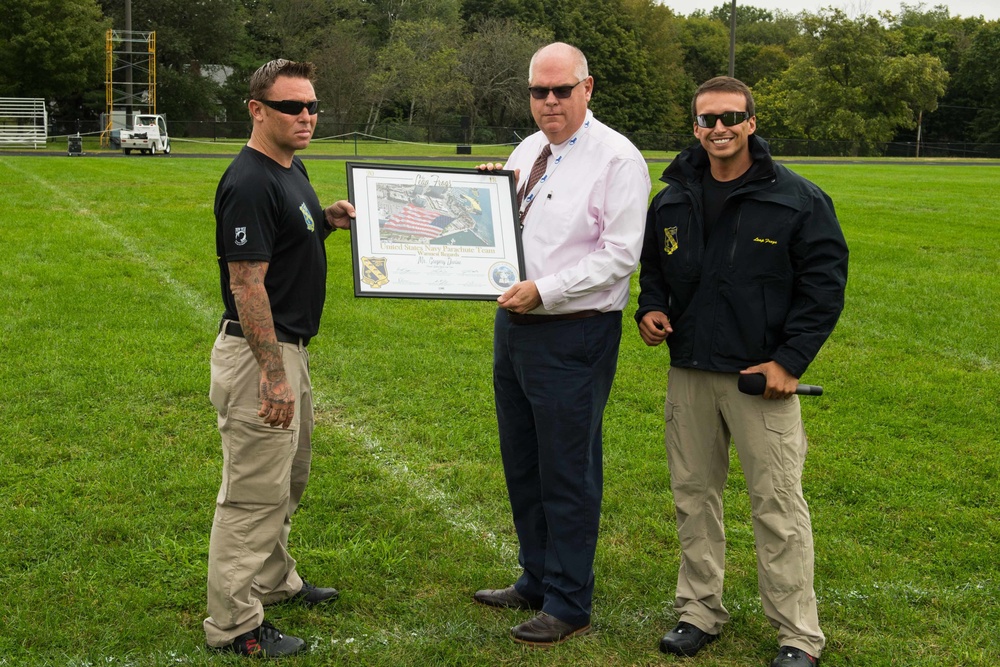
(583, 233)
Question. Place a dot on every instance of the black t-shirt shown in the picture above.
(268, 213)
(714, 194)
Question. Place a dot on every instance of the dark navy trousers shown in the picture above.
(551, 382)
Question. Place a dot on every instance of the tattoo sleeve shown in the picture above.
(246, 280)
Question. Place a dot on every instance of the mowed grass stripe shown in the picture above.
(111, 456)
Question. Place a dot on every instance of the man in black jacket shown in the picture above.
(743, 271)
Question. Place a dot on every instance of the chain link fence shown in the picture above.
(463, 135)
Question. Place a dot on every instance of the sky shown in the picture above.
(989, 9)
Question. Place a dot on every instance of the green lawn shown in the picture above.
(111, 460)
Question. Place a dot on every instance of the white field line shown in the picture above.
(457, 517)
(187, 296)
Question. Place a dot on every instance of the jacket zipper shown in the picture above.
(736, 236)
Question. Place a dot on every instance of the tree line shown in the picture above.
(823, 76)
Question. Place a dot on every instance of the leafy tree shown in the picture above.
(763, 40)
(847, 87)
(755, 63)
(705, 43)
(624, 95)
(763, 44)
(343, 65)
(381, 16)
(420, 69)
(977, 84)
(527, 12)
(52, 49)
(670, 89)
(745, 14)
(934, 32)
(291, 29)
(328, 33)
(382, 85)
(494, 60)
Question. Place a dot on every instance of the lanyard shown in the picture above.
(555, 165)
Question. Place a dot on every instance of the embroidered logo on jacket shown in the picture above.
(670, 240)
(767, 241)
(307, 216)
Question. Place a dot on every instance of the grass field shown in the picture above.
(110, 458)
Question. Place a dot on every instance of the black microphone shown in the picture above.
(755, 383)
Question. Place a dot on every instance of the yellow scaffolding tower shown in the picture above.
(130, 76)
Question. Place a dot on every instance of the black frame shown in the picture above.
(433, 232)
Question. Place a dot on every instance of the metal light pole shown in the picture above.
(732, 40)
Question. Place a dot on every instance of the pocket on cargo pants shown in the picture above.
(257, 459)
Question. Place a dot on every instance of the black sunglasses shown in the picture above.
(561, 92)
(292, 107)
(729, 118)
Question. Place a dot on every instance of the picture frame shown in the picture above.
(433, 232)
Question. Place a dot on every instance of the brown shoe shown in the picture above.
(507, 598)
(546, 630)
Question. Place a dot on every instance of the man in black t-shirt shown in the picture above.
(270, 232)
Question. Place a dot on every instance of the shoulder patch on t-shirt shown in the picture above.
(241, 236)
(307, 216)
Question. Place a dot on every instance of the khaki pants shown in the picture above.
(703, 410)
(265, 471)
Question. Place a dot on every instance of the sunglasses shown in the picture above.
(561, 92)
(729, 118)
(292, 107)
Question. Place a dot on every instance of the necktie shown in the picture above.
(537, 170)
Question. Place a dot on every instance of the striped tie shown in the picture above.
(537, 170)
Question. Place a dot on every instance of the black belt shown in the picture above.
(233, 328)
(517, 318)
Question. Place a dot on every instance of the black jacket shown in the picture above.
(768, 284)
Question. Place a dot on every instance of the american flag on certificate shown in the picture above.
(417, 221)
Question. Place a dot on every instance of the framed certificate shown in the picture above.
(433, 233)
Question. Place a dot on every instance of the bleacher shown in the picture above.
(23, 122)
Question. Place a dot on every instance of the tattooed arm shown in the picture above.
(277, 400)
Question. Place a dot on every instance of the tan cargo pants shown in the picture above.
(703, 410)
(264, 473)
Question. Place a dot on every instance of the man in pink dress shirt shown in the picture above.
(556, 337)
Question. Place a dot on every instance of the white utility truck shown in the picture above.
(148, 135)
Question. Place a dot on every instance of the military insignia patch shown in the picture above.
(374, 271)
(670, 240)
(307, 216)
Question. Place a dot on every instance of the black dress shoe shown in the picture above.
(263, 642)
(546, 630)
(789, 656)
(312, 595)
(507, 598)
(686, 640)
